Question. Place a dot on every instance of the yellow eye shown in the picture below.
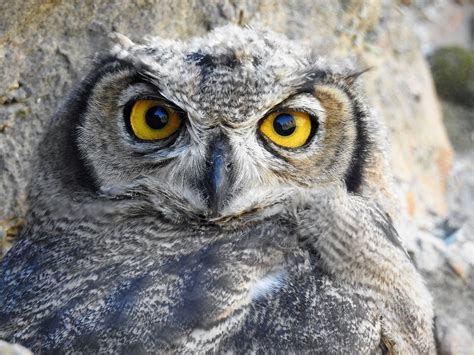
(152, 120)
(288, 129)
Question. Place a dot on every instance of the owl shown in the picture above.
(227, 193)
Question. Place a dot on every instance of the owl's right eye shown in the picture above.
(153, 120)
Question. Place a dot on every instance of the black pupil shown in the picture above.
(284, 124)
(156, 117)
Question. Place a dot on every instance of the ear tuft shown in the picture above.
(351, 78)
(121, 44)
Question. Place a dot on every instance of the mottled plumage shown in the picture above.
(216, 239)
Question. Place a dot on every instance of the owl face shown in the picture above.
(222, 125)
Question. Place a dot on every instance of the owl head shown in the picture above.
(216, 127)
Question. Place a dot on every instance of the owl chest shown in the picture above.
(309, 312)
(208, 296)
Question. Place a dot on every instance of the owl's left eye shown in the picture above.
(153, 120)
(288, 129)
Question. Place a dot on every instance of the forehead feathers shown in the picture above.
(227, 75)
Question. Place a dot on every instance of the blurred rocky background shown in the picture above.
(46, 45)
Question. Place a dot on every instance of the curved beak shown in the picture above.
(218, 174)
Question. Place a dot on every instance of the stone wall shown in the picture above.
(45, 47)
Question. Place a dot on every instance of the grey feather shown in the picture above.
(122, 252)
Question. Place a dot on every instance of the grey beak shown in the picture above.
(218, 174)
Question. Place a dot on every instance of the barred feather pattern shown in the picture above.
(189, 288)
(357, 243)
(122, 252)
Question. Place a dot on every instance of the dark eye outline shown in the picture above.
(165, 142)
(270, 145)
